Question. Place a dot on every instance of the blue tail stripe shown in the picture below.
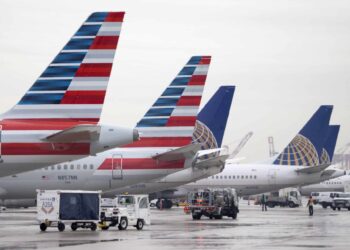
(88, 30)
(194, 60)
(187, 71)
(97, 17)
(180, 81)
(43, 85)
(157, 122)
(166, 102)
(78, 44)
(69, 57)
(62, 71)
(331, 140)
(30, 99)
(215, 113)
(159, 112)
(173, 92)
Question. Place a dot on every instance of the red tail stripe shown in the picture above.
(197, 80)
(105, 42)
(45, 148)
(115, 17)
(160, 142)
(205, 60)
(181, 121)
(189, 101)
(94, 69)
(83, 97)
(142, 163)
(44, 124)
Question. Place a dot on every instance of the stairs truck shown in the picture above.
(213, 203)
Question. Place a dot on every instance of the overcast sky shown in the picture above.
(286, 57)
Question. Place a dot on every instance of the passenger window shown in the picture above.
(221, 177)
(246, 176)
(237, 176)
(217, 177)
(254, 176)
(52, 167)
(229, 176)
(78, 166)
(85, 166)
(59, 167)
(225, 177)
(251, 177)
(242, 177)
(233, 177)
(91, 166)
(65, 166)
(71, 166)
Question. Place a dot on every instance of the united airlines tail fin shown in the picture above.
(73, 86)
(171, 119)
(214, 116)
(329, 145)
(306, 147)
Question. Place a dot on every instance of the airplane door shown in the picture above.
(272, 177)
(1, 160)
(117, 167)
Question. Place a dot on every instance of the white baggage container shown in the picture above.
(75, 207)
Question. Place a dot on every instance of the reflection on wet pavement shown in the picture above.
(278, 228)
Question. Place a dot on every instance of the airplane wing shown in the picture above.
(312, 170)
(76, 134)
(214, 161)
(187, 151)
(328, 172)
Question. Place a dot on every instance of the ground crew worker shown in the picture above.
(310, 204)
(263, 202)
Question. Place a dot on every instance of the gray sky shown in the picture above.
(286, 57)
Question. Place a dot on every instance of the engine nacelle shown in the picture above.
(112, 137)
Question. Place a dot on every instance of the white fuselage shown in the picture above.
(334, 185)
(87, 174)
(251, 179)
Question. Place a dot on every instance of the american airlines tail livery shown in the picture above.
(57, 119)
(165, 145)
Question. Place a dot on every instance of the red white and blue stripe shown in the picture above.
(74, 85)
(171, 119)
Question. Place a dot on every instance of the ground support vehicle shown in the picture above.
(285, 198)
(80, 209)
(213, 203)
(325, 199)
(128, 210)
(342, 201)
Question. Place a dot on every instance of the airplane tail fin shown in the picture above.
(171, 119)
(329, 145)
(214, 116)
(306, 147)
(73, 86)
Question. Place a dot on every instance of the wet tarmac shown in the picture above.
(278, 228)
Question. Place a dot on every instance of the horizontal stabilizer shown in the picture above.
(214, 161)
(187, 151)
(76, 134)
(312, 170)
